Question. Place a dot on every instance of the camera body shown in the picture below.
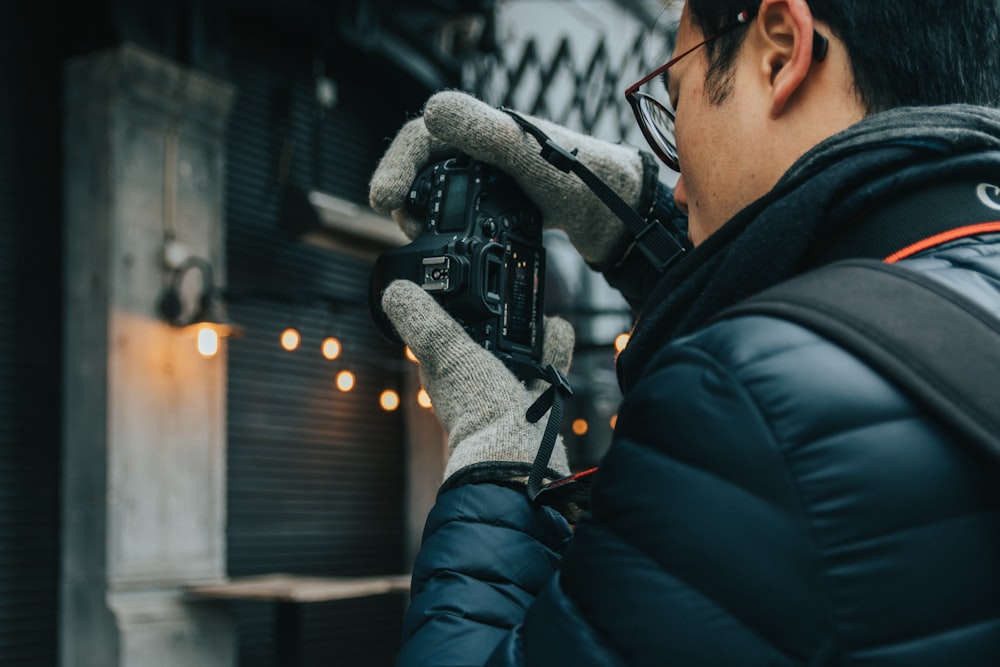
(480, 256)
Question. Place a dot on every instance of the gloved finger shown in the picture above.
(493, 136)
(557, 349)
(412, 147)
(487, 134)
(557, 346)
(454, 367)
(411, 226)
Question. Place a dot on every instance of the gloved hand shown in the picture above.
(454, 120)
(479, 401)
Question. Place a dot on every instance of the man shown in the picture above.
(768, 499)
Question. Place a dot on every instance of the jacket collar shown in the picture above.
(773, 238)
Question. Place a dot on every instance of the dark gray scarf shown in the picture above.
(775, 237)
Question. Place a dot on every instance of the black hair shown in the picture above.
(902, 52)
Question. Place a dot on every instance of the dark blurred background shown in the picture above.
(313, 486)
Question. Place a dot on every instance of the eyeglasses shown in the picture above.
(656, 119)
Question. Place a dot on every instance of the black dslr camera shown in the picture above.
(480, 256)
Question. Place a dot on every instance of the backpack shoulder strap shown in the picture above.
(939, 346)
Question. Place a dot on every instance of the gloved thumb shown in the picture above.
(456, 371)
(412, 147)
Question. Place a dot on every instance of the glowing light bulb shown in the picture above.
(345, 381)
(389, 400)
(409, 354)
(580, 426)
(331, 348)
(423, 398)
(621, 342)
(290, 339)
(208, 341)
(613, 421)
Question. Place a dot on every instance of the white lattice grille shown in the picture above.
(570, 62)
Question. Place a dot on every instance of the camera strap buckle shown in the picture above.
(569, 495)
(659, 247)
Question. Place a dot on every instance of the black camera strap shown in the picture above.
(659, 247)
(568, 495)
(651, 237)
(552, 401)
(936, 344)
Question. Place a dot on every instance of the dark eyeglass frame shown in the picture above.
(645, 107)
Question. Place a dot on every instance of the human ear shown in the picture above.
(786, 29)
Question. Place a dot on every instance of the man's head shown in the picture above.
(902, 53)
(751, 102)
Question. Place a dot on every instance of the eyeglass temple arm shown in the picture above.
(820, 46)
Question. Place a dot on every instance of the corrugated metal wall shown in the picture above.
(315, 475)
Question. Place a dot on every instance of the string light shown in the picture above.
(331, 348)
(209, 323)
(580, 426)
(423, 398)
(290, 339)
(389, 400)
(208, 341)
(345, 380)
(621, 342)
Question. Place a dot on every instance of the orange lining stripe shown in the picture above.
(938, 239)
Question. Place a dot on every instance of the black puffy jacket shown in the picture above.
(768, 500)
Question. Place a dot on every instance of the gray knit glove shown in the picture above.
(479, 401)
(456, 121)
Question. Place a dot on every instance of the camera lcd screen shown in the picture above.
(521, 290)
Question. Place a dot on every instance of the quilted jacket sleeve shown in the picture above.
(486, 555)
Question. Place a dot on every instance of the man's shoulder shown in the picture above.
(969, 267)
(743, 342)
